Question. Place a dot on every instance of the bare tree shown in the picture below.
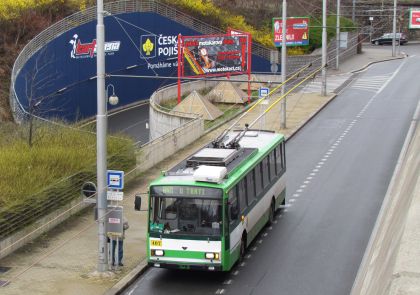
(38, 82)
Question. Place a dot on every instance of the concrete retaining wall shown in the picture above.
(375, 275)
(159, 149)
(30, 233)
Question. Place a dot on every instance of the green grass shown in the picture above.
(228, 110)
(56, 154)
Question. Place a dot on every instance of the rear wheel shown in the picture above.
(243, 248)
(272, 212)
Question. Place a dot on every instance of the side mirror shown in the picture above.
(137, 203)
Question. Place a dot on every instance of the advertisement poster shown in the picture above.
(414, 18)
(297, 32)
(216, 55)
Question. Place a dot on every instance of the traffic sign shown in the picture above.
(115, 179)
(114, 196)
(263, 92)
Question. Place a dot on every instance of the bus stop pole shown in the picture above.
(101, 125)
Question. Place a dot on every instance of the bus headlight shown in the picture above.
(212, 256)
(157, 252)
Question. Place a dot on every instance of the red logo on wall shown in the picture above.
(88, 50)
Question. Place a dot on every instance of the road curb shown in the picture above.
(138, 271)
(377, 61)
(128, 279)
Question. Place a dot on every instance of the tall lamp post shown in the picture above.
(101, 131)
(283, 61)
(324, 48)
(337, 61)
(394, 28)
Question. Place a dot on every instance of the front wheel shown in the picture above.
(376, 42)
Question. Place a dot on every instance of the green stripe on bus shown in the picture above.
(185, 254)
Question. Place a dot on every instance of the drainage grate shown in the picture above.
(4, 269)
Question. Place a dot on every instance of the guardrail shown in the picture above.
(88, 15)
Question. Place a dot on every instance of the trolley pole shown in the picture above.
(283, 61)
(337, 61)
(101, 130)
(324, 48)
(394, 28)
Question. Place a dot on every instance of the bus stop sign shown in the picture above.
(115, 179)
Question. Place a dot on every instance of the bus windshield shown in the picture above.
(186, 210)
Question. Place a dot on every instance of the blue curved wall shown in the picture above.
(61, 79)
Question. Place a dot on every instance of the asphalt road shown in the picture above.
(132, 122)
(339, 167)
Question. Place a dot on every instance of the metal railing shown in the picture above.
(88, 15)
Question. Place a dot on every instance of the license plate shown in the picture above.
(156, 243)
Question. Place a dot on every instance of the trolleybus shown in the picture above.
(207, 209)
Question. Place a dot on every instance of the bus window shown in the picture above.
(283, 156)
(272, 166)
(250, 187)
(258, 179)
(278, 160)
(233, 205)
(242, 194)
(265, 171)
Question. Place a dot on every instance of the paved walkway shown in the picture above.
(64, 260)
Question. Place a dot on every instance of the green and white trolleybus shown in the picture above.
(206, 210)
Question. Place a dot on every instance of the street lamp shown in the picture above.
(113, 99)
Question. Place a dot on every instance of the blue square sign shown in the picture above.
(115, 179)
(263, 92)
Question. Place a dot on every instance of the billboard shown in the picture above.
(215, 55)
(297, 31)
(414, 18)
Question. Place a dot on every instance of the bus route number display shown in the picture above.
(185, 191)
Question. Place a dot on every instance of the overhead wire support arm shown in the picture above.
(217, 142)
(310, 75)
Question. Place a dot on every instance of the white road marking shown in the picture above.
(292, 200)
(296, 195)
(227, 282)
(220, 291)
(236, 272)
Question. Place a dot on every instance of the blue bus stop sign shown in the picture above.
(115, 179)
(263, 92)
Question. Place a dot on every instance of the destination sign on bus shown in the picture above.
(185, 191)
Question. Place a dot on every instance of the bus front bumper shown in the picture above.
(168, 265)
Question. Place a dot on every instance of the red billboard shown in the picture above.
(297, 31)
(414, 18)
(215, 55)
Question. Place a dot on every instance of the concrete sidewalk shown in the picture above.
(64, 260)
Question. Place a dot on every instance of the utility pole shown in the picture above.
(353, 15)
(283, 61)
(337, 62)
(394, 28)
(324, 48)
(101, 130)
